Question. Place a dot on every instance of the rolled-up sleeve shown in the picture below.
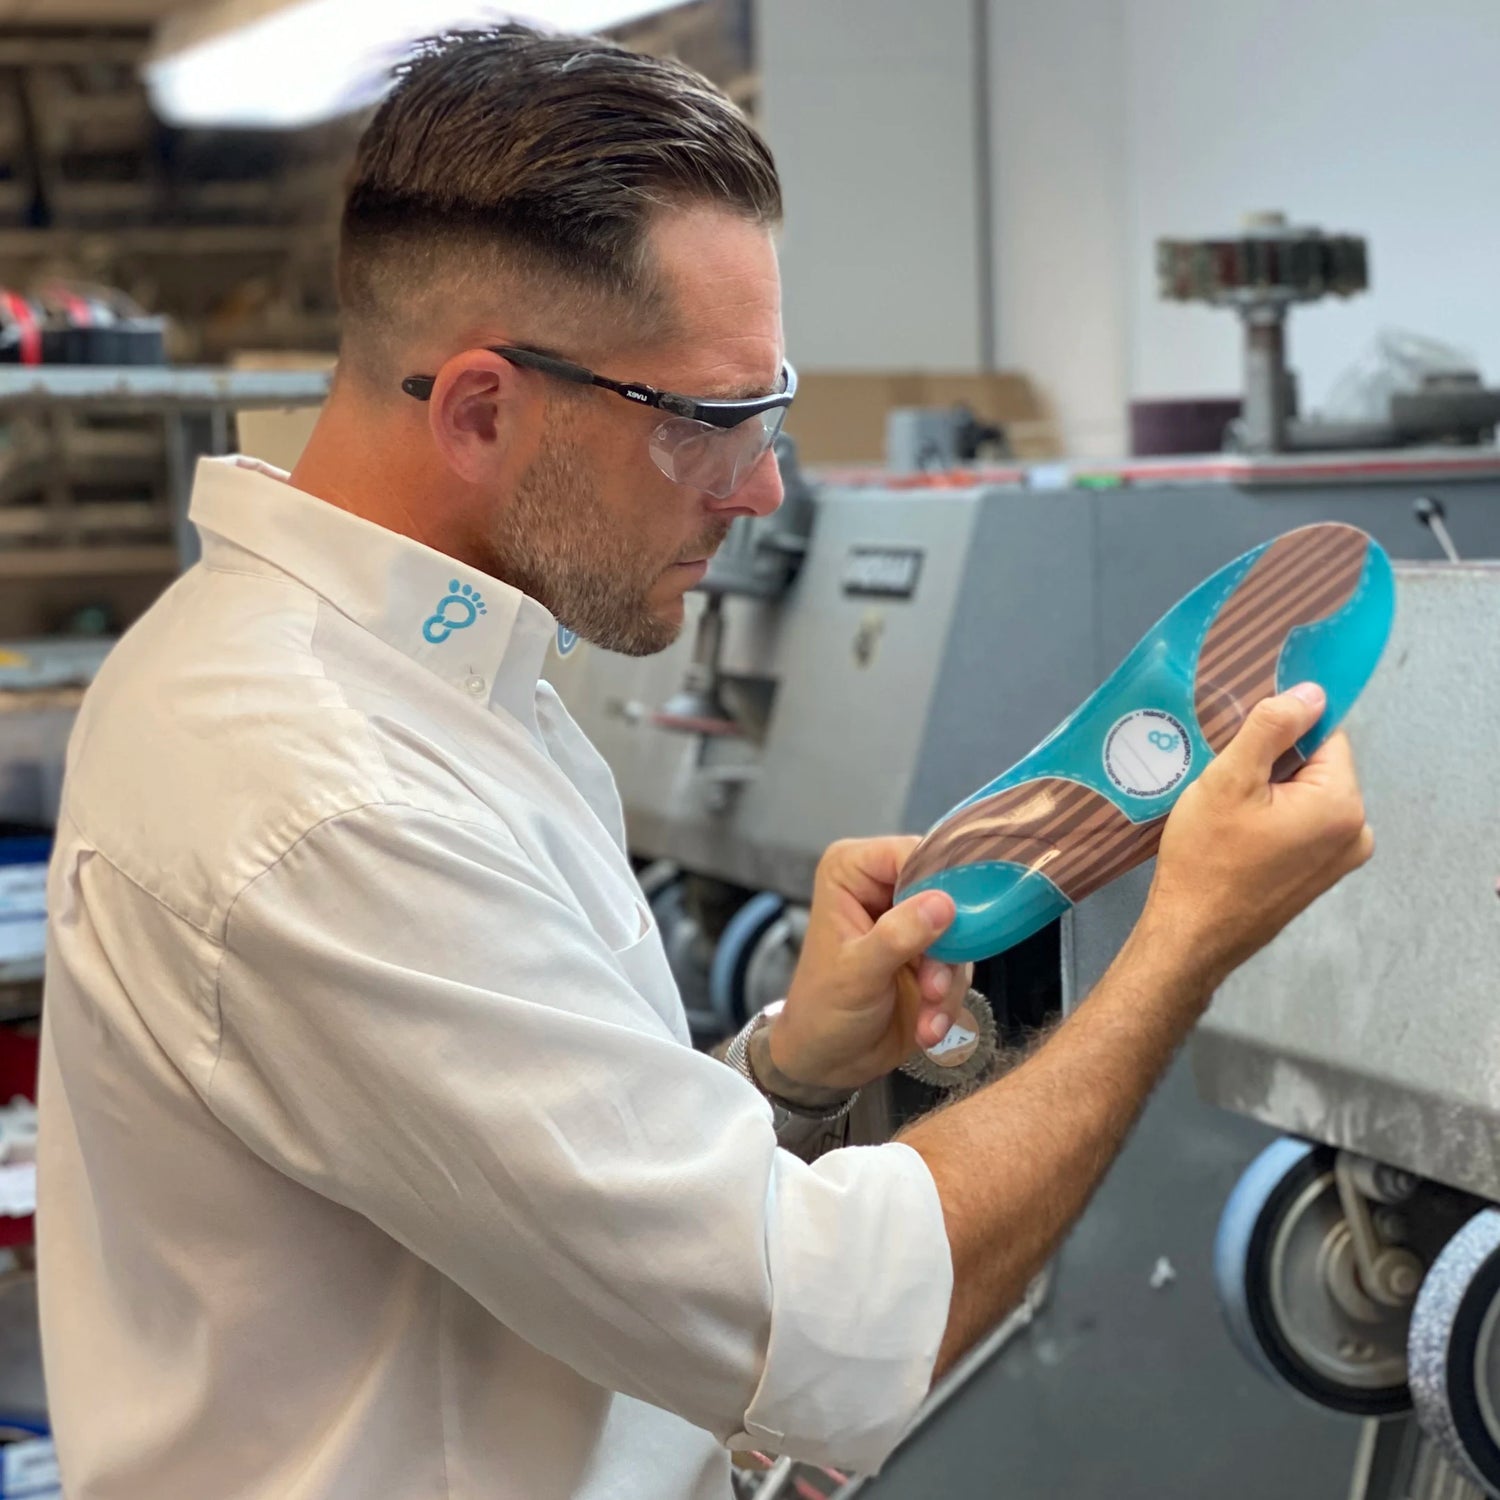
(861, 1278)
(413, 1023)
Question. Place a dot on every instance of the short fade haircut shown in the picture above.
(540, 159)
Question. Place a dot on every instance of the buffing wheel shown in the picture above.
(1454, 1350)
(965, 1056)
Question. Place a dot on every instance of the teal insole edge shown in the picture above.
(1001, 904)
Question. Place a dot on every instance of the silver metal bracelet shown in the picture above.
(737, 1055)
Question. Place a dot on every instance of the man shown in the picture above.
(375, 1160)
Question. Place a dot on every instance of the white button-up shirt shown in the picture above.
(375, 1161)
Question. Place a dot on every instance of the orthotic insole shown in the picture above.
(1090, 801)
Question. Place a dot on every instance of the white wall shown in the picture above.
(869, 107)
(1057, 100)
(1115, 122)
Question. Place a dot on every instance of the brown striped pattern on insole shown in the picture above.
(1076, 838)
(1299, 579)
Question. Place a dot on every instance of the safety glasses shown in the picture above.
(708, 445)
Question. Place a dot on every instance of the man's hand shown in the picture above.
(1241, 856)
(863, 995)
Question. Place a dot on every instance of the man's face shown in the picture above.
(594, 530)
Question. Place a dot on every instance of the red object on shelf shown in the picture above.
(19, 1054)
(26, 322)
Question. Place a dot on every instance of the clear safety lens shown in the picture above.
(717, 460)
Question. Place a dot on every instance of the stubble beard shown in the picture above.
(557, 542)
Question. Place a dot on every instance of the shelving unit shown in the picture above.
(157, 388)
(98, 462)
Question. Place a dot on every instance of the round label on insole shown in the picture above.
(1147, 753)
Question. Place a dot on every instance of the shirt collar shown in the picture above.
(485, 637)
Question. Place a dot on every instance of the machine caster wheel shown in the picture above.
(736, 986)
(1454, 1350)
(726, 978)
(1283, 1263)
(666, 895)
(689, 948)
(655, 877)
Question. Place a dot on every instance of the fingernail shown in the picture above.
(940, 1027)
(935, 909)
(942, 977)
(1310, 693)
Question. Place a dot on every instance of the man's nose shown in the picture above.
(760, 494)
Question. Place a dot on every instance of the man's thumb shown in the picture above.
(1272, 727)
(906, 932)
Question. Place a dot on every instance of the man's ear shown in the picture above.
(471, 412)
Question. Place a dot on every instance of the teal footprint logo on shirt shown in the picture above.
(458, 610)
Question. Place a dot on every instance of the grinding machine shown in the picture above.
(888, 641)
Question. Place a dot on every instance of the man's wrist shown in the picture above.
(1173, 959)
(779, 1085)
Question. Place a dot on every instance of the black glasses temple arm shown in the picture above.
(421, 386)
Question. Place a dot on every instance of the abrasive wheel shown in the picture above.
(1454, 1350)
(1284, 1266)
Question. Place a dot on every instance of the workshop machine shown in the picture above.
(889, 641)
(1360, 1255)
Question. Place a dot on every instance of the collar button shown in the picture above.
(476, 685)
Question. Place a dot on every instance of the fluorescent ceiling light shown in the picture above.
(278, 64)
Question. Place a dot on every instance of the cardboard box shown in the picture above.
(278, 437)
(839, 415)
